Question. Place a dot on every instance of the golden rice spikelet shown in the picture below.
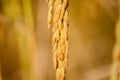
(58, 20)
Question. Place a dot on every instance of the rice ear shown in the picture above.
(58, 19)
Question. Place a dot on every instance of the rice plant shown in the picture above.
(91, 39)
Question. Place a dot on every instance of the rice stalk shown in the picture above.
(23, 31)
(26, 38)
(31, 43)
(58, 19)
(28, 13)
(116, 51)
(12, 9)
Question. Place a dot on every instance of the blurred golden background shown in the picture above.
(25, 40)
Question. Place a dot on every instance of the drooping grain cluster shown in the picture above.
(58, 20)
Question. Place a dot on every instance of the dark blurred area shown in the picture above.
(25, 40)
